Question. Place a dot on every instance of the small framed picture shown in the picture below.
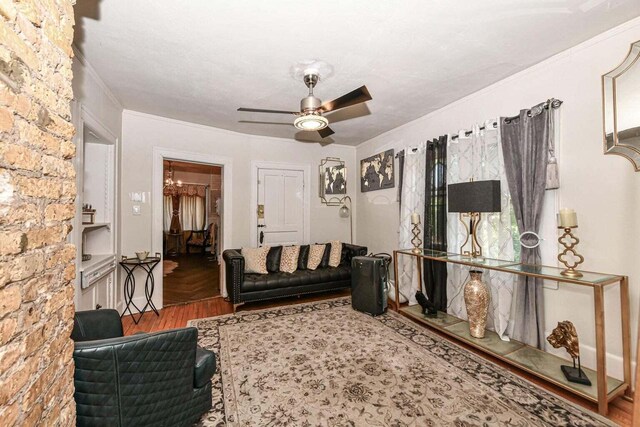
(377, 172)
(333, 180)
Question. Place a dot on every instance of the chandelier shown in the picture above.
(168, 181)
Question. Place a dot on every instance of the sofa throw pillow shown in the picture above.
(273, 259)
(289, 259)
(255, 259)
(335, 253)
(315, 256)
(303, 258)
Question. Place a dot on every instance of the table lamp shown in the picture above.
(470, 200)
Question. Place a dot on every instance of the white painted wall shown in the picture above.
(143, 132)
(92, 95)
(91, 91)
(604, 190)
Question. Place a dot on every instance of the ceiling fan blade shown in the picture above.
(261, 110)
(352, 98)
(325, 132)
(261, 122)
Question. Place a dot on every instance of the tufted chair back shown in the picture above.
(137, 380)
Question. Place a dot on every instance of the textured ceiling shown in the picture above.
(199, 60)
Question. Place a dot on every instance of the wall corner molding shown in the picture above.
(93, 73)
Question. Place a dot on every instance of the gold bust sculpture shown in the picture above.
(565, 335)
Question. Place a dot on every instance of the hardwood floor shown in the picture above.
(620, 410)
(196, 277)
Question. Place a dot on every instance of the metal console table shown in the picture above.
(147, 265)
(532, 360)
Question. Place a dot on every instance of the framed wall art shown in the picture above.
(333, 181)
(377, 172)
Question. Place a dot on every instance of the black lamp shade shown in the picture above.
(474, 196)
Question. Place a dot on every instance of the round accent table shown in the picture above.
(147, 265)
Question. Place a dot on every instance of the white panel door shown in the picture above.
(281, 191)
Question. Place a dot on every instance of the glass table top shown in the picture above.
(137, 261)
(425, 252)
(479, 262)
(550, 272)
(509, 266)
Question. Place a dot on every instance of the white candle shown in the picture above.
(415, 218)
(567, 218)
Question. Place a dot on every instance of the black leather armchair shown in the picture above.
(156, 379)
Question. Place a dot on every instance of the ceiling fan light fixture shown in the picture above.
(311, 122)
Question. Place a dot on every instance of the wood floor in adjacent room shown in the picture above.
(177, 316)
(190, 278)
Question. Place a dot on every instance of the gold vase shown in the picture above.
(476, 299)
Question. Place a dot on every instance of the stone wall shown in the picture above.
(37, 190)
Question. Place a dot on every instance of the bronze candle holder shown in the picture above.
(416, 241)
(569, 241)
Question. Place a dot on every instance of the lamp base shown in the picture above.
(474, 257)
(471, 232)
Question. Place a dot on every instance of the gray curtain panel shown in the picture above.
(525, 142)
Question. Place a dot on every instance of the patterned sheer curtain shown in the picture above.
(167, 205)
(479, 156)
(413, 198)
(192, 212)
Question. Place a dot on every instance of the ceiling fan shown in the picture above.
(310, 118)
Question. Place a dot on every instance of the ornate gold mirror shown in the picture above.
(621, 108)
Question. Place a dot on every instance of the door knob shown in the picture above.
(261, 237)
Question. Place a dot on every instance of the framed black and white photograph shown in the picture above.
(333, 180)
(377, 172)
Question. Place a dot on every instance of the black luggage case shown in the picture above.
(369, 284)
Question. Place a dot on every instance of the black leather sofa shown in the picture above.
(244, 287)
(156, 379)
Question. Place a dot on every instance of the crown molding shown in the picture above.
(94, 74)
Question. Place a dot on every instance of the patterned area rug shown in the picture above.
(324, 364)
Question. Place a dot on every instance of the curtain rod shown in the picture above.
(554, 103)
(413, 150)
(469, 132)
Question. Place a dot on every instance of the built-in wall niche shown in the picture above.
(97, 193)
(95, 232)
